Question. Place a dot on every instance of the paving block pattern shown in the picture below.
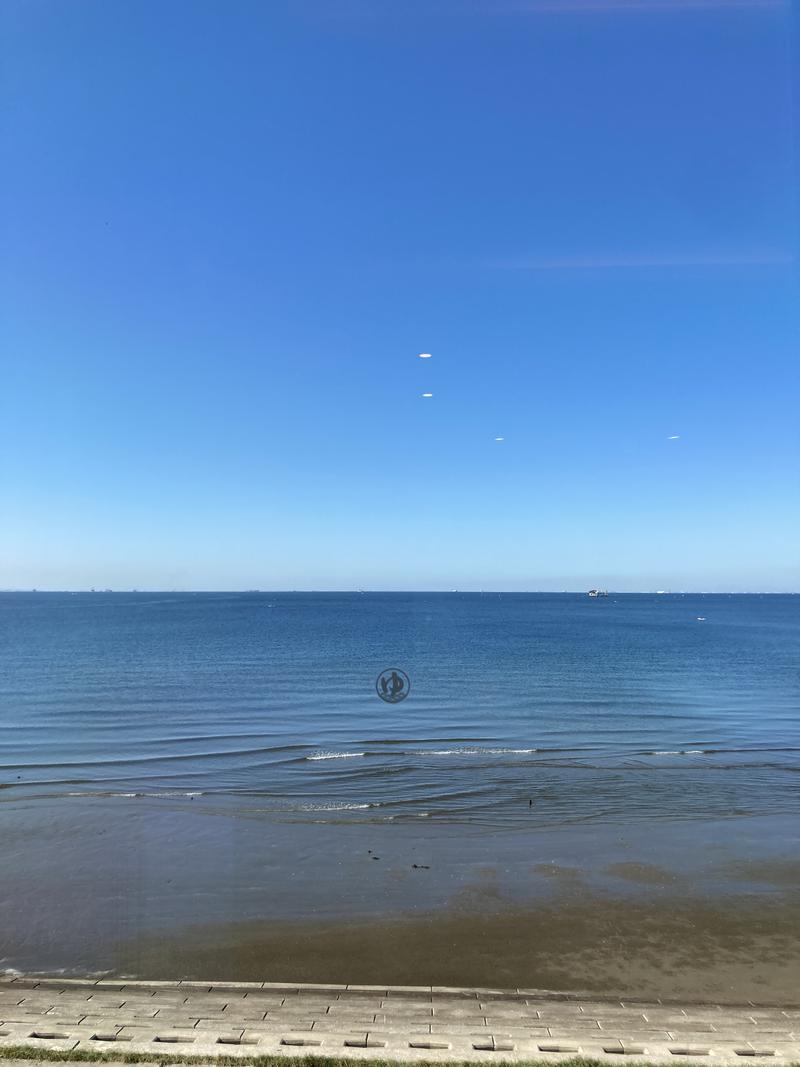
(408, 1023)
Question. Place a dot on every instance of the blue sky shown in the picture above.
(230, 229)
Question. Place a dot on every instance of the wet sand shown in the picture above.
(731, 951)
(705, 910)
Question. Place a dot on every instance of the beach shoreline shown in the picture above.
(733, 951)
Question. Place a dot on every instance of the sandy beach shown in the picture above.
(730, 951)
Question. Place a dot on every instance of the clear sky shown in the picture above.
(229, 229)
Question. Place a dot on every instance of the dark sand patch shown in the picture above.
(783, 873)
(731, 950)
(644, 874)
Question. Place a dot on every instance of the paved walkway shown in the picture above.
(404, 1023)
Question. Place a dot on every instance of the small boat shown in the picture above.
(598, 592)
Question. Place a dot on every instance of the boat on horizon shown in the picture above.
(598, 592)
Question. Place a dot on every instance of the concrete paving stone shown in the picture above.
(680, 1024)
(457, 1029)
(445, 1016)
(138, 1033)
(220, 1014)
(299, 1012)
(235, 987)
(45, 1022)
(399, 1017)
(346, 1020)
(100, 1020)
(210, 1026)
(636, 1036)
(562, 1010)
(358, 1003)
(265, 1001)
(711, 1016)
(617, 1013)
(240, 1016)
(455, 991)
(389, 1028)
(626, 1022)
(405, 1017)
(21, 1019)
(517, 1033)
(267, 1035)
(571, 1033)
(494, 1044)
(739, 1020)
(174, 1037)
(558, 1046)
(319, 987)
(404, 990)
(378, 990)
(417, 1003)
(581, 1025)
(15, 1032)
(223, 1025)
(211, 1003)
(274, 1025)
(432, 1043)
(493, 1010)
(294, 1007)
(365, 1041)
(592, 1006)
(700, 1037)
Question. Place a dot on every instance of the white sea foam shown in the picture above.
(335, 755)
(678, 752)
(106, 794)
(478, 751)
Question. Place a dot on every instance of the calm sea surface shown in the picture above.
(631, 707)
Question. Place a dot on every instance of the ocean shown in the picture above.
(213, 747)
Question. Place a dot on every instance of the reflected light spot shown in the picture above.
(427, 394)
(424, 355)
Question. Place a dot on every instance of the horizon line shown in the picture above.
(412, 592)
